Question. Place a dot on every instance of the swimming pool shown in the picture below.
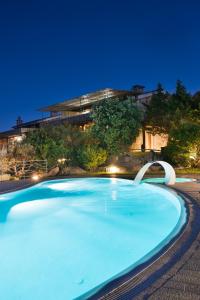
(162, 180)
(65, 239)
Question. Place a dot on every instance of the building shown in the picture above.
(77, 111)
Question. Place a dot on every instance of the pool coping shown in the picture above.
(158, 269)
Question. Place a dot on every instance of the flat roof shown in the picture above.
(84, 101)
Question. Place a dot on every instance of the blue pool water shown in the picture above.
(64, 239)
(162, 180)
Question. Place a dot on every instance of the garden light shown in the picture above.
(113, 169)
(18, 138)
(35, 177)
(61, 160)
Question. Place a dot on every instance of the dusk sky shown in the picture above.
(53, 50)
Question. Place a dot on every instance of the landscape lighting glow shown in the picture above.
(61, 160)
(35, 177)
(113, 169)
(18, 138)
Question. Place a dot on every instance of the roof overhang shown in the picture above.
(85, 101)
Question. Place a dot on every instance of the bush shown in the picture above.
(183, 148)
(54, 142)
(91, 156)
(176, 155)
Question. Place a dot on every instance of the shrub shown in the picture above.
(176, 155)
(91, 156)
(183, 148)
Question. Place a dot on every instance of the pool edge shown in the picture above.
(137, 281)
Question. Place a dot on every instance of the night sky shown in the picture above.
(54, 50)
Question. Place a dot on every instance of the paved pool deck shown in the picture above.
(9, 186)
(180, 281)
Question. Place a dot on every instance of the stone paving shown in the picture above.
(183, 282)
(8, 186)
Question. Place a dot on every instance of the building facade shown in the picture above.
(77, 111)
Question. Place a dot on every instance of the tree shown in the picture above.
(14, 160)
(177, 115)
(181, 100)
(116, 124)
(49, 143)
(157, 115)
(166, 112)
(22, 151)
(179, 106)
(194, 113)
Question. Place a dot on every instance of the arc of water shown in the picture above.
(170, 175)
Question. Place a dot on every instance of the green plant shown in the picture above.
(166, 112)
(91, 156)
(176, 155)
(116, 124)
(183, 148)
(50, 143)
(157, 115)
